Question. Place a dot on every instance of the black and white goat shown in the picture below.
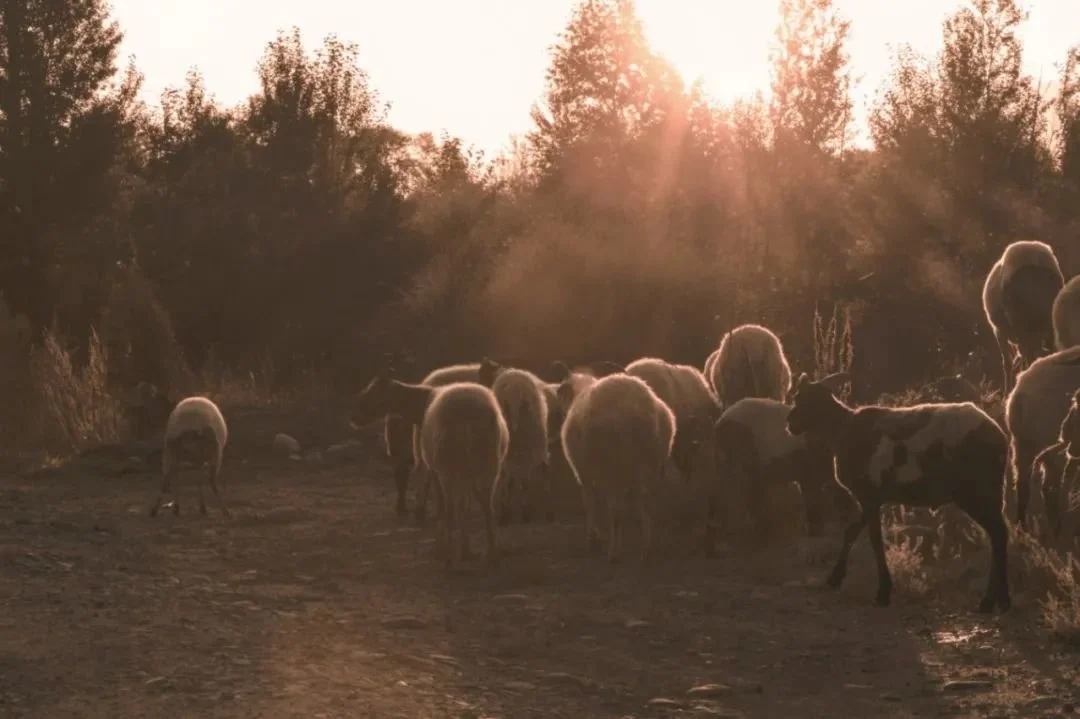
(928, 455)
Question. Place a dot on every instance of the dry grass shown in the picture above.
(79, 410)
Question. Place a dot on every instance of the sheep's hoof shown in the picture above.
(1004, 603)
(881, 600)
(153, 511)
(202, 509)
(834, 580)
(986, 605)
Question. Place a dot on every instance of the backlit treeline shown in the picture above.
(301, 232)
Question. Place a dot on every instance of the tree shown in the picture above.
(811, 78)
(62, 132)
(605, 89)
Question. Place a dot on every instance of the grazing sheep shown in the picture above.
(750, 362)
(751, 438)
(524, 405)
(684, 389)
(929, 455)
(463, 440)
(1066, 315)
(1034, 413)
(617, 438)
(195, 433)
(1018, 298)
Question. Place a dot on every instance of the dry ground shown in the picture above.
(315, 601)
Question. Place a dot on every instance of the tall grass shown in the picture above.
(79, 411)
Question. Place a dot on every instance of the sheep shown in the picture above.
(617, 438)
(750, 362)
(196, 433)
(401, 440)
(462, 440)
(1034, 412)
(524, 405)
(928, 455)
(751, 436)
(1066, 315)
(684, 389)
(1018, 298)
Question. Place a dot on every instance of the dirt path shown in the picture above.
(314, 601)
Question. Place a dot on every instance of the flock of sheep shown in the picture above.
(487, 432)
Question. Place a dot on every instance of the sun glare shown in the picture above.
(724, 43)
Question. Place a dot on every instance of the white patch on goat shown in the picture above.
(949, 424)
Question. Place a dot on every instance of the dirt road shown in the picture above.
(315, 601)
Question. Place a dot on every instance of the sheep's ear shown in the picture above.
(803, 379)
(560, 370)
(835, 380)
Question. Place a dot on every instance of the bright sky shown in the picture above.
(474, 67)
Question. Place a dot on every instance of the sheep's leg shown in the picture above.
(756, 489)
(589, 499)
(425, 482)
(446, 523)
(525, 495)
(1023, 485)
(463, 508)
(710, 527)
(813, 494)
(839, 570)
(548, 483)
(1051, 486)
(877, 544)
(646, 534)
(214, 473)
(988, 515)
(202, 498)
(489, 527)
(401, 482)
(614, 531)
(167, 477)
(506, 495)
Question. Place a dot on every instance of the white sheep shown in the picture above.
(751, 438)
(1034, 412)
(929, 455)
(195, 433)
(524, 405)
(750, 362)
(1066, 315)
(685, 390)
(463, 440)
(617, 438)
(1018, 298)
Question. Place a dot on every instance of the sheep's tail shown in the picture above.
(1028, 295)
